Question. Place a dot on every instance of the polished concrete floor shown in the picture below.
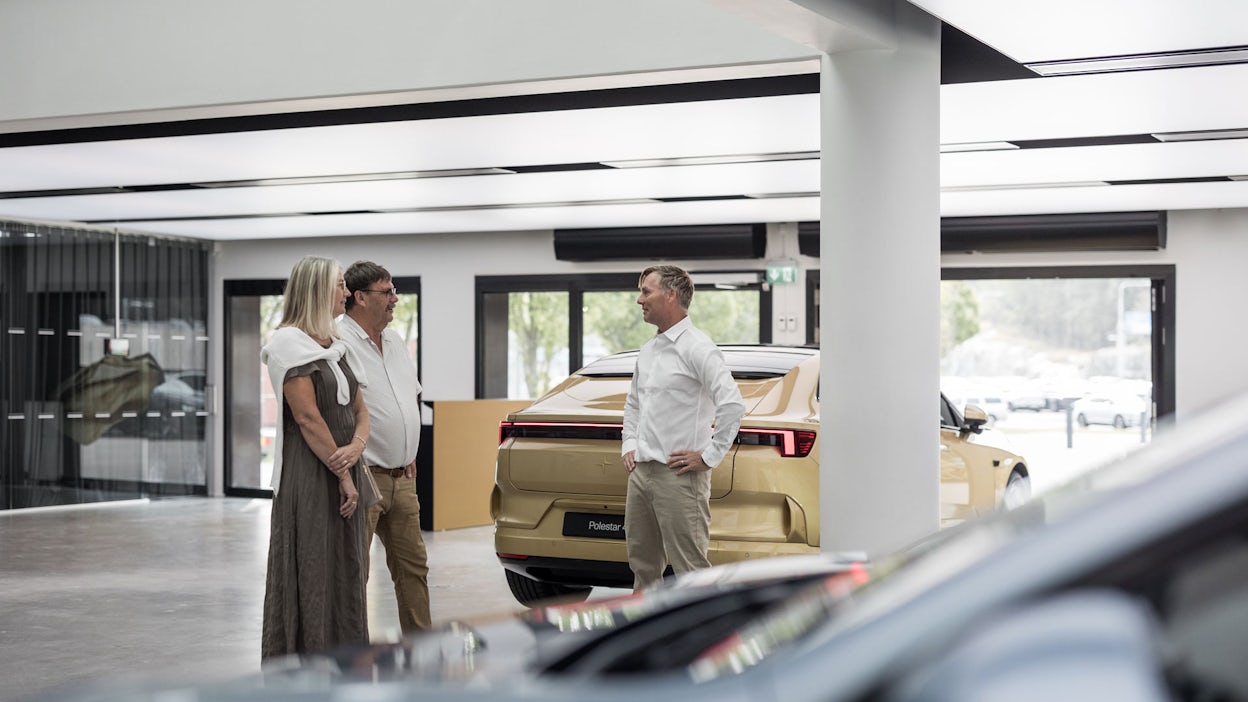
(173, 589)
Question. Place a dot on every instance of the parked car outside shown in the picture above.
(1117, 410)
(558, 505)
(1033, 401)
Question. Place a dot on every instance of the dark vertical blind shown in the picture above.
(81, 424)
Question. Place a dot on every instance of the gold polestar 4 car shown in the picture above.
(558, 501)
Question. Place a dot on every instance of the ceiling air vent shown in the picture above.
(717, 241)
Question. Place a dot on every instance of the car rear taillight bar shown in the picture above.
(792, 443)
(559, 430)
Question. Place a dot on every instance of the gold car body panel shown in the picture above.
(763, 504)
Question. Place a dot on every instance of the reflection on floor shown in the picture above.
(174, 588)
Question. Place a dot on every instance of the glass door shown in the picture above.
(253, 309)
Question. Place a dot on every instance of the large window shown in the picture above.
(535, 330)
(253, 311)
(104, 386)
(1071, 365)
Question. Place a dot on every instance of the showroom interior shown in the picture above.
(836, 163)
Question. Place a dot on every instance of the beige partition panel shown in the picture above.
(465, 444)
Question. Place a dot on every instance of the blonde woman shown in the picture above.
(314, 590)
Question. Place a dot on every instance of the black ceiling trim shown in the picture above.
(61, 193)
(1161, 181)
(555, 167)
(1086, 141)
(965, 59)
(702, 198)
(770, 86)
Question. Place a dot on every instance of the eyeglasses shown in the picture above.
(387, 291)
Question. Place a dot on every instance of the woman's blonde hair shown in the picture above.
(310, 296)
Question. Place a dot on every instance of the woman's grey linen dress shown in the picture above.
(315, 588)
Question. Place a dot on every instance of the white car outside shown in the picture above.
(1120, 410)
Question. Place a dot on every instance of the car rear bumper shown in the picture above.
(555, 560)
(573, 572)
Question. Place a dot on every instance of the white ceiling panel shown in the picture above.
(1106, 198)
(1143, 102)
(1121, 162)
(709, 128)
(1057, 132)
(465, 191)
(1047, 30)
(502, 219)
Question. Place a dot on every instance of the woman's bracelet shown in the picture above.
(362, 441)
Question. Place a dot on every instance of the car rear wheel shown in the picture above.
(529, 592)
(1119, 422)
(1017, 491)
(1083, 421)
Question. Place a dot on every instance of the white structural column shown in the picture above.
(880, 289)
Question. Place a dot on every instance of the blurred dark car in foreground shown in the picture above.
(614, 635)
(558, 505)
(1128, 583)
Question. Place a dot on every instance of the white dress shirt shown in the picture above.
(681, 390)
(392, 396)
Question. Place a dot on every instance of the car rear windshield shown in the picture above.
(745, 362)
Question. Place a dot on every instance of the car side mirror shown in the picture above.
(974, 419)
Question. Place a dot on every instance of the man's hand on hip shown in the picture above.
(685, 461)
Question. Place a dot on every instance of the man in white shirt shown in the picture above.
(393, 401)
(680, 419)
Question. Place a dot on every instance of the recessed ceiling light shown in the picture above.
(1203, 136)
(1142, 62)
(765, 196)
(711, 160)
(354, 177)
(1022, 186)
(977, 146)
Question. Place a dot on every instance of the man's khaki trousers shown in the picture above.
(396, 521)
(667, 519)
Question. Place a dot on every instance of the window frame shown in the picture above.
(259, 287)
(576, 285)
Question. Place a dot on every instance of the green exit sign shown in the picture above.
(782, 275)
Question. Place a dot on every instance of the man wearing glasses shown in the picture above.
(392, 395)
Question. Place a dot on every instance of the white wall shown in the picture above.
(1209, 249)
(106, 58)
